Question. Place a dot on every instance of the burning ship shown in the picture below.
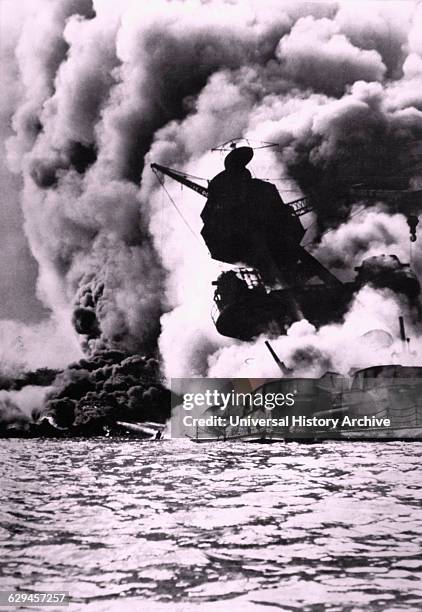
(274, 281)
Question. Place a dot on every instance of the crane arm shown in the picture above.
(181, 178)
(298, 207)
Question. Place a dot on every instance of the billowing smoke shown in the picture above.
(105, 88)
(106, 388)
(12, 416)
(358, 342)
(19, 408)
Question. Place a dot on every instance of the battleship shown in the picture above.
(274, 281)
(377, 402)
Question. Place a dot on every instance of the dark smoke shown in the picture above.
(43, 377)
(108, 387)
(87, 398)
(105, 90)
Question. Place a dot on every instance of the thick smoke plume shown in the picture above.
(107, 387)
(104, 88)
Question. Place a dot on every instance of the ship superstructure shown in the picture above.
(274, 281)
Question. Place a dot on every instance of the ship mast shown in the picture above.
(298, 207)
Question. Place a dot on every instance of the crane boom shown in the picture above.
(181, 178)
(298, 207)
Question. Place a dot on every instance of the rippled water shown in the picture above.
(131, 525)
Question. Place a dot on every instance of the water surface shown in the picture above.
(132, 525)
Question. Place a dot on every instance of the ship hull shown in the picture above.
(378, 403)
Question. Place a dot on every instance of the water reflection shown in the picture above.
(179, 526)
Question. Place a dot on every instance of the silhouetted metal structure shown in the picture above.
(397, 193)
(247, 224)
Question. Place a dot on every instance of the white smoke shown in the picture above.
(104, 89)
(30, 400)
(48, 344)
(311, 352)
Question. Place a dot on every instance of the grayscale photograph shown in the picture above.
(211, 305)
